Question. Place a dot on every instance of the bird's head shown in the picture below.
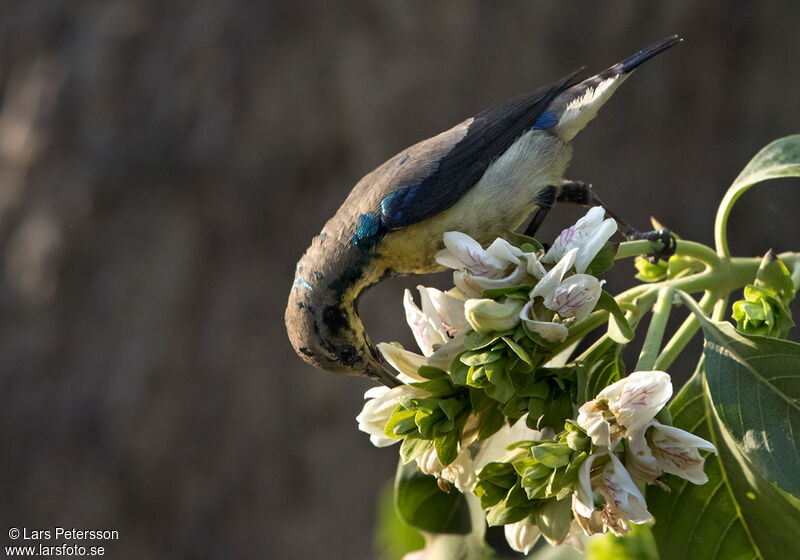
(323, 324)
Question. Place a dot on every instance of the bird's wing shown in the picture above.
(438, 185)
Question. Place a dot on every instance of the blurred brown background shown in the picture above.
(164, 164)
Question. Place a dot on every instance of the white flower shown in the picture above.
(625, 407)
(478, 269)
(620, 499)
(548, 330)
(588, 235)
(576, 296)
(486, 315)
(439, 329)
(521, 536)
(658, 448)
(460, 472)
(439, 321)
(379, 407)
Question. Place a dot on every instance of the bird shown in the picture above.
(484, 176)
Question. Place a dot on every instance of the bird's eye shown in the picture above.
(347, 355)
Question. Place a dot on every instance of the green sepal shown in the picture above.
(514, 292)
(773, 275)
(603, 261)
(518, 240)
(650, 272)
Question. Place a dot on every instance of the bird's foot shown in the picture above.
(664, 236)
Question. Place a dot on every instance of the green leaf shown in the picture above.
(780, 158)
(736, 514)
(490, 421)
(480, 358)
(474, 340)
(447, 447)
(553, 455)
(518, 350)
(459, 371)
(430, 372)
(420, 503)
(618, 328)
(754, 383)
(393, 537)
(400, 423)
(636, 545)
(412, 447)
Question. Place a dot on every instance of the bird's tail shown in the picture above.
(579, 104)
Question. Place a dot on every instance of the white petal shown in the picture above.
(378, 409)
(495, 447)
(550, 331)
(637, 398)
(424, 328)
(677, 452)
(576, 296)
(461, 471)
(594, 242)
(624, 493)
(504, 251)
(521, 537)
(443, 356)
(595, 426)
(583, 497)
(546, 287)
(407, 363)
(473, 285)
(641, 462)
(449, 310)
(469, 253)
(589, 234)
(534, 267)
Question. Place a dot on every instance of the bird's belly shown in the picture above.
(500, 201)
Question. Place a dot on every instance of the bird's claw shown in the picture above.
(665, 237)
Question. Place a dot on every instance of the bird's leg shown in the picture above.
(545, 199)
(580, 192)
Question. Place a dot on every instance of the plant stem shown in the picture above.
(655, 331)
(683, 335)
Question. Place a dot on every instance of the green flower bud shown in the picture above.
(578, 441)
(486, 315)
(650, 272)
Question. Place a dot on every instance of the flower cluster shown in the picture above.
(489, 408)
